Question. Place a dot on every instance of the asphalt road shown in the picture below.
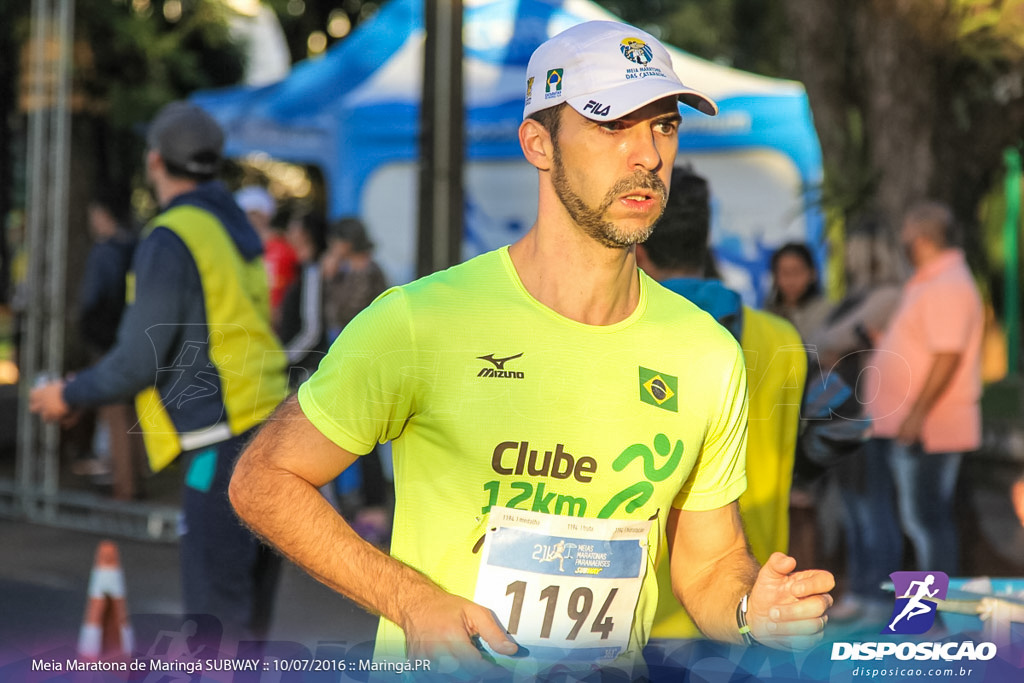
(44, 577)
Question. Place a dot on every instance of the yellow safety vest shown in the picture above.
(242, 346)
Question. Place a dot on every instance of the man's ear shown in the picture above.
(154, 162)
(538, 148)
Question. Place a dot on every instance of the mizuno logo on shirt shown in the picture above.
(499, 367)
(499, 363)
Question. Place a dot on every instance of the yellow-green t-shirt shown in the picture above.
(493, 399)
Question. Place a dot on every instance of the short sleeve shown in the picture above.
(951, 314)
(364, 391)
(719, 475)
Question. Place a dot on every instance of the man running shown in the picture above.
(618, 417)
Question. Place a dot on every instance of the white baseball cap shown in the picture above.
(256, 199)
(605, 70)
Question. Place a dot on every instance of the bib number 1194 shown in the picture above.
(563, 587)
(577, 609)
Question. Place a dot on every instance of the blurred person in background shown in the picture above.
(353, 278)
(101, 304)
(301, 326)
(924, 388)
(678, 256)
(796, 289)
(101, 295)
(278, 254)
(196, 349)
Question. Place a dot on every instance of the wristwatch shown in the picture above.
(741, 621)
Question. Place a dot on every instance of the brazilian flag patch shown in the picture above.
(659, 389)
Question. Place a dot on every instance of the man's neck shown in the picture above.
(928, 256)
(575, 276)
(170, 188)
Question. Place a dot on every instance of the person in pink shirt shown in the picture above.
(923, 386)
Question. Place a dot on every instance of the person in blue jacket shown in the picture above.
(102, 292)
(196, 350)
(101, 303)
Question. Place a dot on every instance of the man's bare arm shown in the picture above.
(712, 569)
(275, 490)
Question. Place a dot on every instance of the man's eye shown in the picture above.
(612, 125)
(666, 127)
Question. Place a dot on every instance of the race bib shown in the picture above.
(563, 587)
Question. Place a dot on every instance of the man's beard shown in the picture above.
(592, 220)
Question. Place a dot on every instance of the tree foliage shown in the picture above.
(143, 56)
(912, 99)
(988, 31)
(747, 34)
(130, 57)
(316, 15)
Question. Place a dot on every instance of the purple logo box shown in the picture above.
(916, 596)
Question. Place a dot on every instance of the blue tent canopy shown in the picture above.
(354, 113)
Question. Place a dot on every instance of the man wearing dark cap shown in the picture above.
(555, 415)
(196, 350)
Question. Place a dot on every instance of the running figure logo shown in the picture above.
(916, 596)
(553, 553)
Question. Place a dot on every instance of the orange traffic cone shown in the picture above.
(106, 632)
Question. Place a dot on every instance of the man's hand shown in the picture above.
(940, 374)
(446, 625)
(786, 609)
(910, 429)
(48, 401)
(277, 481)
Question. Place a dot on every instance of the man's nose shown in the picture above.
(643, 150)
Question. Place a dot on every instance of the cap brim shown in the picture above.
(616, 102)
